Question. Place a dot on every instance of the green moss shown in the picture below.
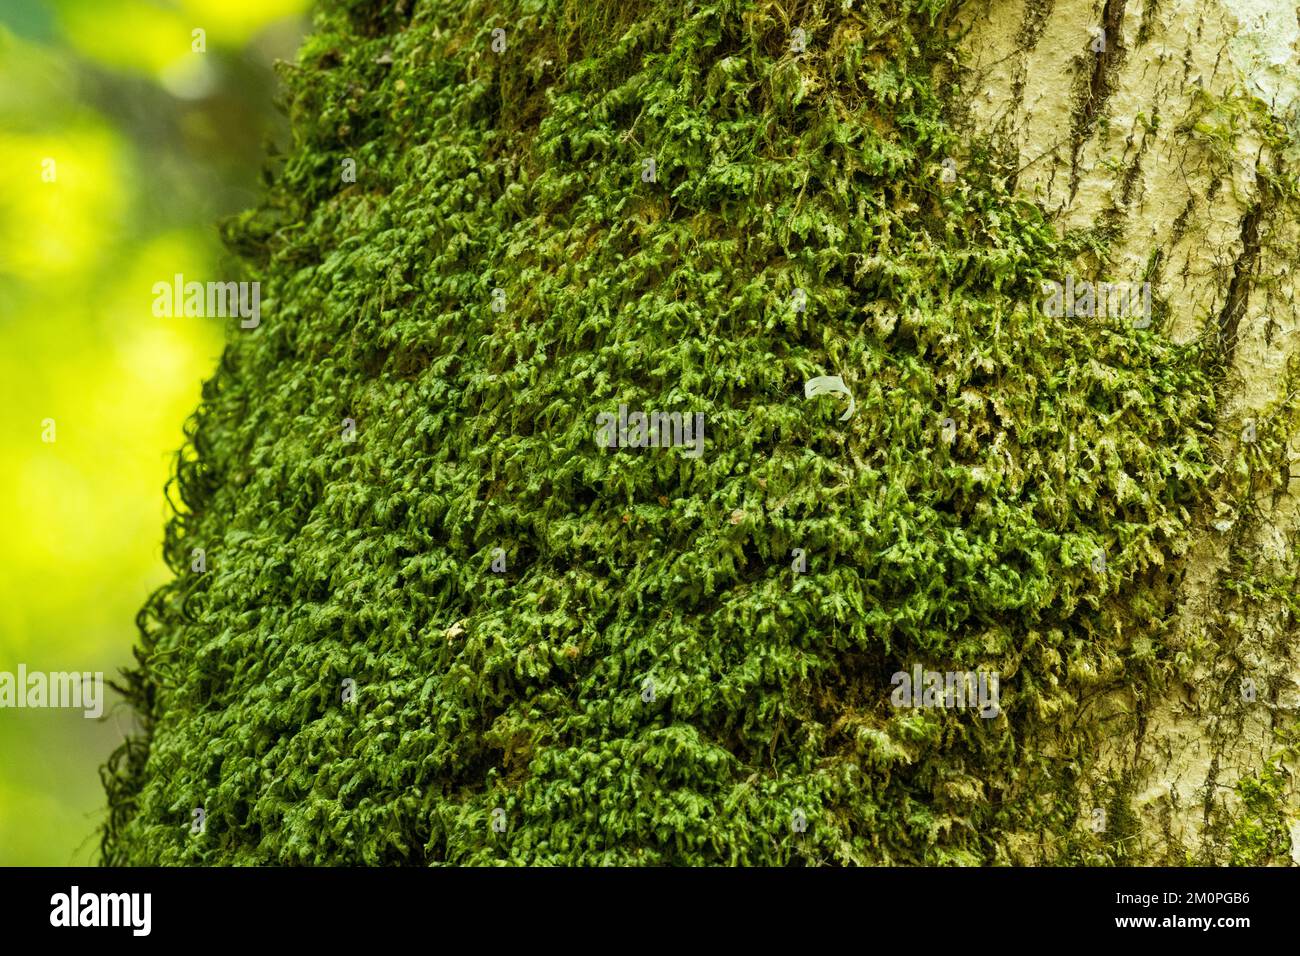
(1260, 834)
(524, 691)
(1123, 825)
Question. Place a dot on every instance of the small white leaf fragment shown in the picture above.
(829, 385)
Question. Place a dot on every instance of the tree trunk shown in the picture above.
(1172, 140)
(651, 398)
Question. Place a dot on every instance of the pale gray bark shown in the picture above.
(1159, 135)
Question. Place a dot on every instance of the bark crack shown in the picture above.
(1234, 306)
(1106, 62)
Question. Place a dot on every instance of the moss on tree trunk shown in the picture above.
(440, 621)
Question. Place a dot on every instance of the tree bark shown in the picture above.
(1174, 140)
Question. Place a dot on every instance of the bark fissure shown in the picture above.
(1234, 306)
(1106, 61)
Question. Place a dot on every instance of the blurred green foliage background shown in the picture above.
(152, 144)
